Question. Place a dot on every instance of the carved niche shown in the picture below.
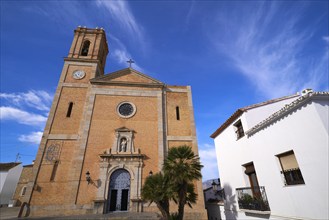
(124, 141)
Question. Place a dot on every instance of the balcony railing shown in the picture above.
(253, 198)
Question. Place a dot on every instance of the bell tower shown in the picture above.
(89, 45)
(59, 162)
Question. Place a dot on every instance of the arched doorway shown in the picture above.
(119, 191)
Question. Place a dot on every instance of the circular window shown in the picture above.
(126, 109)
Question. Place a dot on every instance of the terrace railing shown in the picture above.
(253, 198)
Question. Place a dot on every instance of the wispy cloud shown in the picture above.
(63, 13)
(22, 117)
(207, 154)
(33, 137)
(265, 43)
(326, 39)
(189, 13)
(40, 100)
(122, 14)
(122, 56)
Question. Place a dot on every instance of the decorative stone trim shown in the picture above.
(76, 85)
(181, 138)
(62, 136)
(285, 110)
(177, 90)
(125, 92)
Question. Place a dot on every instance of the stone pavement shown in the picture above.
(8, 213)
(11, 213)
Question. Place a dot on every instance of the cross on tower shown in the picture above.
(130, 61)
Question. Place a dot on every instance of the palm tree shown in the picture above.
(157, 189)
(182, 167)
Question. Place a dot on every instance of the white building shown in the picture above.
(273, 159)
(9, 176)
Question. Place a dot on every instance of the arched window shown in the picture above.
(23, 191)
(85, 48)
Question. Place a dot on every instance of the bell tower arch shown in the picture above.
(89, 45)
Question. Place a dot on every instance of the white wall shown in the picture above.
(262, 112)
(3, 175)
(302, 131)
(10, 184)
(213, 211)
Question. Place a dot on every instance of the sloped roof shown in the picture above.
(286, 109)
(120, 78)
(240, 111)
(8, 166)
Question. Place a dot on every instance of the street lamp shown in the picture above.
(217, 188)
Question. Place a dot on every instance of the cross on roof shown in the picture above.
(130, 61)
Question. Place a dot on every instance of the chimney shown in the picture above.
(306, 91)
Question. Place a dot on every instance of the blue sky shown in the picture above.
(232, 53)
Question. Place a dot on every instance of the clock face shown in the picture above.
(126, 109)
(78, 74)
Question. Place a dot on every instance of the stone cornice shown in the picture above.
(131, 84)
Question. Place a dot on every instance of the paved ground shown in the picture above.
(11, 213)
(8, 213)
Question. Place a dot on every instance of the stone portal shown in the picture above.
(119, 191)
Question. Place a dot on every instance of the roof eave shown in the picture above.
(228, 122)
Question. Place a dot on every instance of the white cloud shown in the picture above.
(122, 14)
(326, 39)
(40, 100)
(22, 117)
(265, 43)
(208, 157)
(122, 56)
(33, 137)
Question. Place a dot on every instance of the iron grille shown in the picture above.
(253, 198)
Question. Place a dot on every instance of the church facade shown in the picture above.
(105, 134)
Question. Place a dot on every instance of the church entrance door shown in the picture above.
(119, 191)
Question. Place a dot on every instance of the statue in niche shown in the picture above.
(123, 145)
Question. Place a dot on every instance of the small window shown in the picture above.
(23, 191)
(85, 48)
(53, 173)
(239, 129)
(177, 113)
(290, 169)
(69, 110)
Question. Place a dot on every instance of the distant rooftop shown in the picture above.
(8, 166)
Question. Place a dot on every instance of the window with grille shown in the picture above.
(291, 173)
